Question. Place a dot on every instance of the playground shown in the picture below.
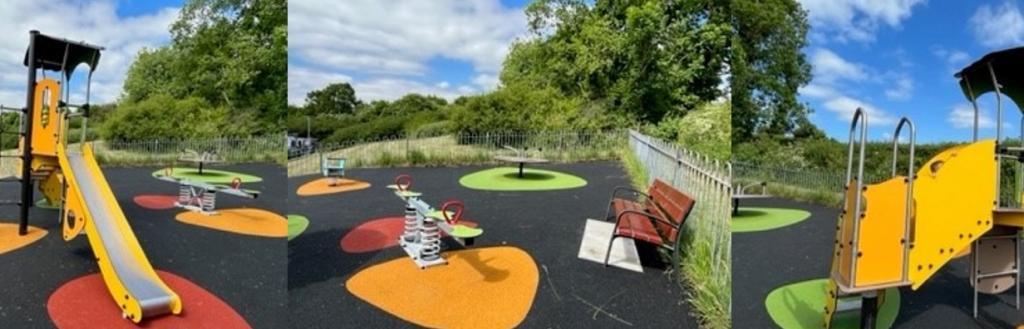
(227, 277)
(944, 302)
(347, 268)
(59, 186)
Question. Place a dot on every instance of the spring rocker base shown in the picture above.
(421, 238)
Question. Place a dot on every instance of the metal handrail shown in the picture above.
(910, 186)
(858, 117)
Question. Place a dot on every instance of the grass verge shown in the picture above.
(798, 193)
(445, 151)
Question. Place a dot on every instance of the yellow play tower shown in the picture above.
(69, 176)
(901, 231)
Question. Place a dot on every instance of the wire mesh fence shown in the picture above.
(817, 180)
(269, 148)
(462, 149)
(166, 152)
(709, 183)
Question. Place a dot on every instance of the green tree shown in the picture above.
(335, 98)
(166, 117)
(230, 53)
(767, 67)
(639, 59)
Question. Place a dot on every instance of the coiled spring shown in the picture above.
(409, 235)
(431, 238)
(209, 201)
(184, 195)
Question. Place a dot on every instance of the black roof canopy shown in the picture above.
(50, 52)
(1008, 66)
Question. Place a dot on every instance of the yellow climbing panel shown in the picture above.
(879, 256)
(955, 195)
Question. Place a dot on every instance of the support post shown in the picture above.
(26, 154)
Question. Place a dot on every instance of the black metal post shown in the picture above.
(868, 312)
(26, 154)
(521, 169)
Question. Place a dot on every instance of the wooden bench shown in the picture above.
(654, 217)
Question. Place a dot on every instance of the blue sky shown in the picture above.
(897, 58)
(388, 49)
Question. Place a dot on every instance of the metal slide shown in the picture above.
(130, 278)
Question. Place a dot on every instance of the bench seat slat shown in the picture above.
(635, 226)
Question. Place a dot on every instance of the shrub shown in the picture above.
(164, 117)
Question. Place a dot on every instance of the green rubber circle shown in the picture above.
(802, 305)
(763, 219)
(296, 225)
(507, 179)
(42, 204)
(210, 176)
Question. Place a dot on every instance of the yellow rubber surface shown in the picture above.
(479, 288)
(248, 221)
(10, 240)
(321, 186)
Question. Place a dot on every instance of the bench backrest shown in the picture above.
(673, 204)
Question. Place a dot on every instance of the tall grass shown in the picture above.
(452, 150)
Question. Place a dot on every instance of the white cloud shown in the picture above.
(953, 59)
(94, 22)
(393, 88)
(392, 42)
(998, 26)
(962, 117)
(857, 20)
(815, 90)
(903, 90)
(845, 106)
(486, 81)
(957, 56)
(829, 67)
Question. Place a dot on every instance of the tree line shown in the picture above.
(588, 67)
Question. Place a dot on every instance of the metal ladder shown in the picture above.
(871, 297)
(1013, 153)
(19, 134)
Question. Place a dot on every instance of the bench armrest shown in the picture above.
(635, 192)
(615, 192)
(618, 217)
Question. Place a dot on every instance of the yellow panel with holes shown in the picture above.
(955, 193)
(880, 249)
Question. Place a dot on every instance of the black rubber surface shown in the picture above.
(246, 272)
(547, 224)
(763, 261)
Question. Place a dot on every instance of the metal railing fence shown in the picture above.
(708, 181)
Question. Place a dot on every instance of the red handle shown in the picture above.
(236, 182)
(406, 179)
(458, 211)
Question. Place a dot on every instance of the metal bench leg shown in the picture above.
(675, 261)
(608, 252)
